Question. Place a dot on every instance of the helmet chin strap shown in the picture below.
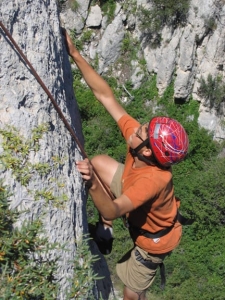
(153, 162)
(135, 152)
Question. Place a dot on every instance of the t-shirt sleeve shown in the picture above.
(143, 190)
(127, 124)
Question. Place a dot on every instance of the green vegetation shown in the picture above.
(210, 24)
(27, 267)
(164, 13)
(77, 42)
(74, 5)
(17, 150)
(212, 90)
(130, 47)
(130, 6)
(170, 13)
(16, 157)
(84, 279)
(108, 8)
(195, 270)
(84, 38)
(26, 270)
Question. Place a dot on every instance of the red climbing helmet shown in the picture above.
(168, 140)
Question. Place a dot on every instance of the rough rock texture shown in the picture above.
(109, 46)
(74, 13)
(34, 25)
(95, 17)
(184, 55)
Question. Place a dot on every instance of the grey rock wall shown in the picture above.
(74, 13)
(35, 27)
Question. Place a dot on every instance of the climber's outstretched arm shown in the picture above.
(97, 84)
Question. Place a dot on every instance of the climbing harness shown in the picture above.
(181, 219)
(135, 231)
(57, 108)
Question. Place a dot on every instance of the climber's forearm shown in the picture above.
(99, 87)
(108, 208)
(97, 84)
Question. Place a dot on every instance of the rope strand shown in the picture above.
(67, 125)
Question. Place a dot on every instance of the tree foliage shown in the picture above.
(159, 14)
(212, 90)
(163, 13)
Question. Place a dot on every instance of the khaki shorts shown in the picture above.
(116, 184)
(136, 276)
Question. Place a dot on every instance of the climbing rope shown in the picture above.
(62, 117)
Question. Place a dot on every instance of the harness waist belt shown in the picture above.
(181, 219)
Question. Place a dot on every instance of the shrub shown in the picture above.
(212, 90)
(74, 5)
(26, 271)
(170, 13)
(84, 276)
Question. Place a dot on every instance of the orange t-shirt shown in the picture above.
(151, 191)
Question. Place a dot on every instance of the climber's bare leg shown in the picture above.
(106, 167)
(130, 295)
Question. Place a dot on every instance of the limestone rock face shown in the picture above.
(24, 105)
(74, 14)
(110, 44)
(95, 17)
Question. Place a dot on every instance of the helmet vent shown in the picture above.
(167, 153)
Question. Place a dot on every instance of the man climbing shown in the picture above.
(143, 186)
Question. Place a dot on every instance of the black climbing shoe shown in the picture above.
(102, 236)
